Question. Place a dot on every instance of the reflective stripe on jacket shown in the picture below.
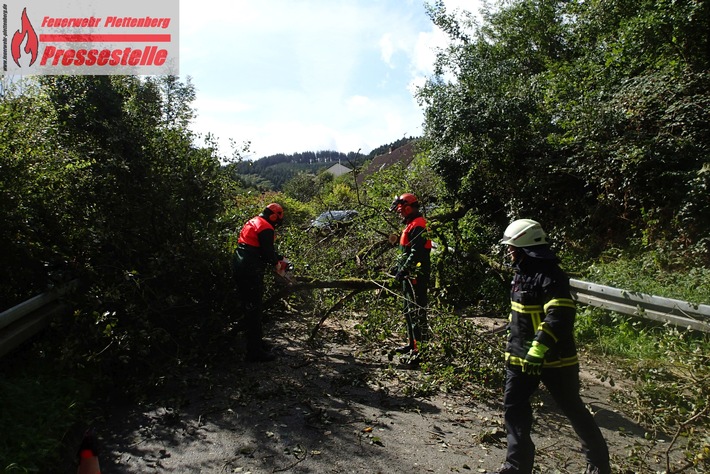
(542, 310)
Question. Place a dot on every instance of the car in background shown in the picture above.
(329, 221)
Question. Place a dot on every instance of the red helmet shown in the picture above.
(403, 204)
(274, 213)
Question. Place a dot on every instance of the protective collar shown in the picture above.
(543, 252)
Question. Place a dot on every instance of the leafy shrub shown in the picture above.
(648, 272)
(667, 366)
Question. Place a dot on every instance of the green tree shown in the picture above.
(302, 187)
(113, 189)
(590, 116)
(34, 193)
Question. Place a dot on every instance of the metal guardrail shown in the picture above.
(666, 310)
(23, 321)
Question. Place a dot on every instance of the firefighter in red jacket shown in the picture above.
(541, 348)
(254, 254)
(413, 270)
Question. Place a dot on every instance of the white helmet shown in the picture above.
(524, 233)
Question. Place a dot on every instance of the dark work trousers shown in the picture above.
(563, 385)
(250, 287)
(415, 313)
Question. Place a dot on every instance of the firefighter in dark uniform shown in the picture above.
(254, 254)
(541, 348)
(413, 270)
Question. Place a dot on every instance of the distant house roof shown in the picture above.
(403, 155)
(338, 170)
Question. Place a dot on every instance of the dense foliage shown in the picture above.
(589, 116)
(102, 182)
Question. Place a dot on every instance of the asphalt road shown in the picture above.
(340, 408)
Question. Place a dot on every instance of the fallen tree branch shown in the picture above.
(680, 429)
(357, 286)
(332, 309)
(301, 284)
(346, 283)
(381, 246)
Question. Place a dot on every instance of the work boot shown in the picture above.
(259, 356)
(404, 349)
(412, 359)
(592, 469)
(506, 468)
(257, 351)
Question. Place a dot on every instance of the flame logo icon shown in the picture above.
(28, 33)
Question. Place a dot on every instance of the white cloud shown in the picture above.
(465, 5)
(387, 48)
(307, 75)
(213, 106)
(359, 102)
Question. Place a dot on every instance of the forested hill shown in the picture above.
(272, 172)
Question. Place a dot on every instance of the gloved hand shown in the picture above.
(532, 365)
(282, 266)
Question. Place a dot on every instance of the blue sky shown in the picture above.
(308, 75)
